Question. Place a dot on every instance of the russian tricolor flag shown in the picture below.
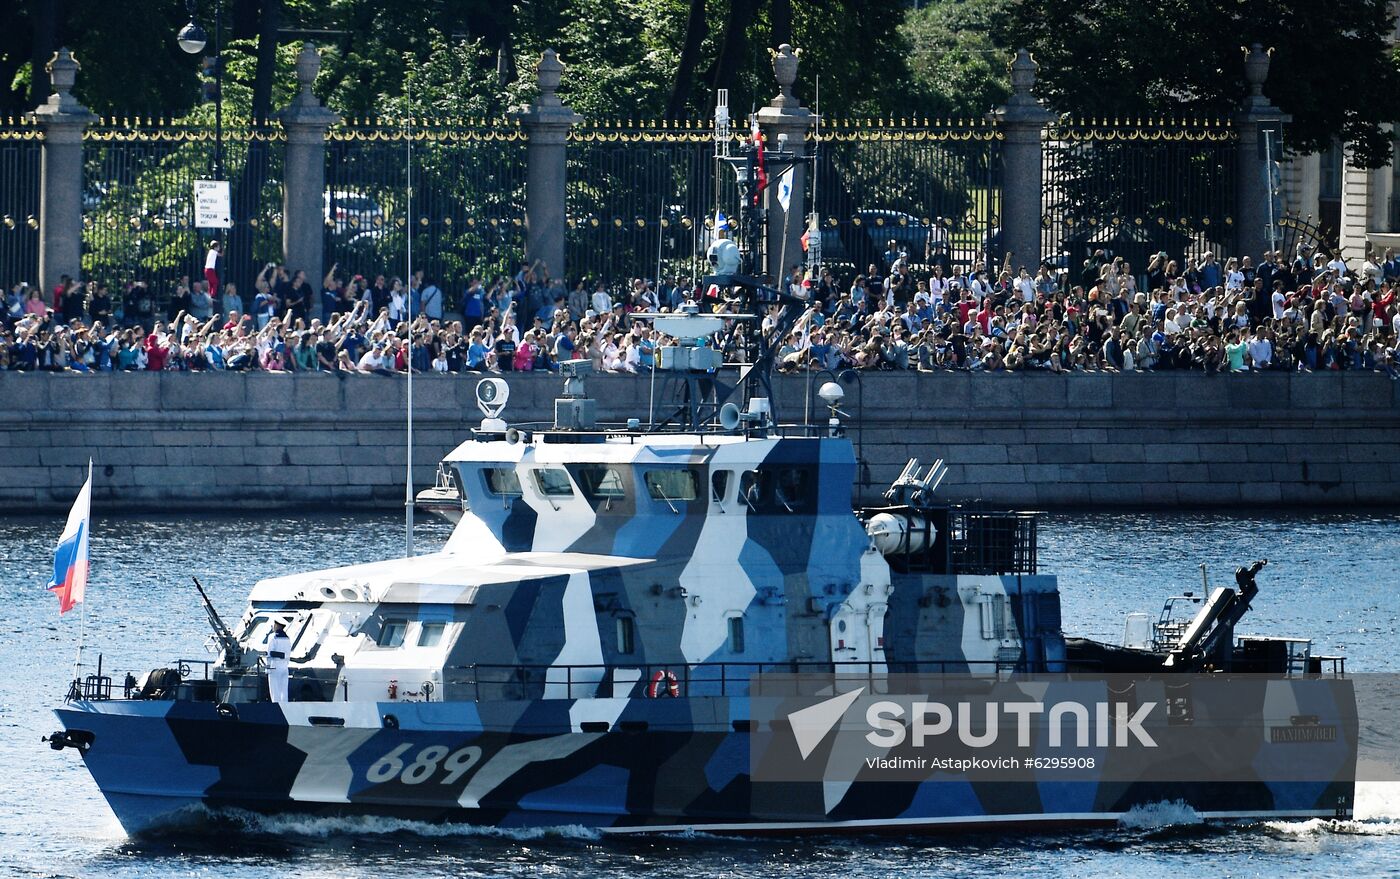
(70, 559)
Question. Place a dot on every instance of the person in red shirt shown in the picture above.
(964, 307)
(211, 264)
(1381, 304)
(156, 353)
(64, 281)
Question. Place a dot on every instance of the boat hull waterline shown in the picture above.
(661, 766)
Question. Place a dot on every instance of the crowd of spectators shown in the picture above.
(1311, 312)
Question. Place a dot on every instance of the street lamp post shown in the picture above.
(192, 39)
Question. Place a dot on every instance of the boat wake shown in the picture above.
(253, 824)
(1156, 816)
(1377, 813)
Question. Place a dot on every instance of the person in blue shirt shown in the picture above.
(477, 353)
(565, 346)
(102, 351)
(24, 355)
(353, 344)
(214, 353)
(1209, 270)
(646, 349)
(330, 300)
(264, 307)
(473, 304)
(420, 359)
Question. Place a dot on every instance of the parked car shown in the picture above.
(859, 245)
(353, 214)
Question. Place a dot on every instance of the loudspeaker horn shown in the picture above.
(513, 436)
(729, 416)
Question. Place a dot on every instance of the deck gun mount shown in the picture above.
(222, 637)
(1209, 639)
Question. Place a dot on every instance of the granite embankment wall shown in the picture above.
(228, 441)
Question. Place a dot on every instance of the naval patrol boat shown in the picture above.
(590, 645)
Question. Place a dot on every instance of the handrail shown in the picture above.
(569, 681)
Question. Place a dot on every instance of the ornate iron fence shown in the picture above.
(640, 200)
(468, 201)
(21, 155)
(138, 202)
(930, 186)
(1138, 188)
(642, 196)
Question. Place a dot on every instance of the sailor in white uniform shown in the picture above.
(279, 646)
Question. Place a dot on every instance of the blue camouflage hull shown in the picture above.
(661, 765)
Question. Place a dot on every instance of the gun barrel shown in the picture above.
(233, 653)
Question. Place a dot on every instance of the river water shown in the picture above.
(1331, 577)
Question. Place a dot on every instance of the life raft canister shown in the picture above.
(670, 688)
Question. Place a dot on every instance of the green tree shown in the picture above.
(1332, 67)
(959, 55)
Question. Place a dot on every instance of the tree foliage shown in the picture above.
(1331, 68)
(959, 53)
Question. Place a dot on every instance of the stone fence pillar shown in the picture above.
(1022, 120)
(1260, 127)
(63, 120)
(305, 121)
(784, 118)
(546, 124)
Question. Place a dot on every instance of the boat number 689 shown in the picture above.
(424, 766)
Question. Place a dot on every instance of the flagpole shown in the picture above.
(82, 617)
(408, 360)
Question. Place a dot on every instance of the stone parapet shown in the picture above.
(256, 441)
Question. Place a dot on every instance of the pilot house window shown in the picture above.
(777, 490)
(601, 483)
(431, 634)
(791, 490)
(391, 634)
(672, 485)
(719, 485)
(502, 481)
(554, 483)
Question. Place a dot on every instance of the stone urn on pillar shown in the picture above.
(546, 122)
(1022, 121)
(305, 120)
(1259, 127)
(785, 120)
(63, 119)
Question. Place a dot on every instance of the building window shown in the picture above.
(1330, 173)
(736, 634)
(392, 632)
(626, 635)
(672, 485)
(431, 634)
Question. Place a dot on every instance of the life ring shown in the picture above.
(671, 688)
